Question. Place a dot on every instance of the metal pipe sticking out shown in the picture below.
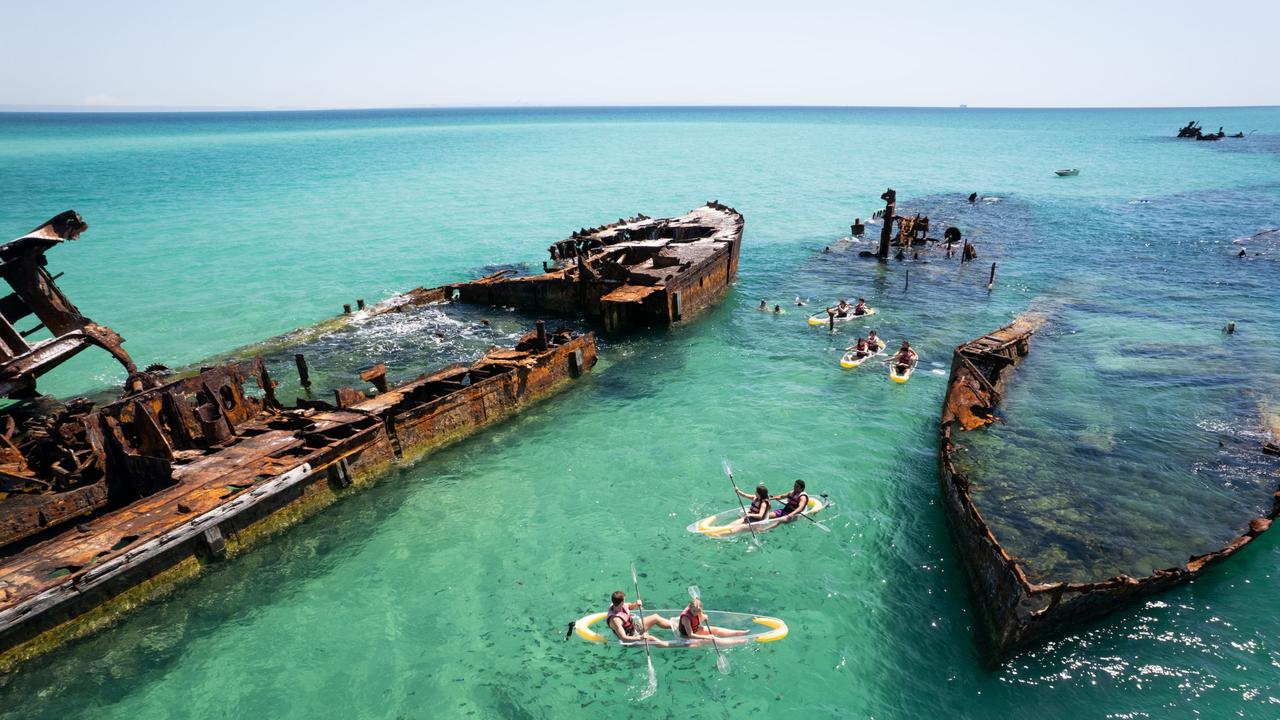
(992, 282)
(542, 335)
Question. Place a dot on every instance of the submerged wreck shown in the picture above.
(105, 505)
(642, 272)
(1015, 611)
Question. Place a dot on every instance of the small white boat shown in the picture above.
(1068, 172)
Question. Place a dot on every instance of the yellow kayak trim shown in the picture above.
(707, 525)
(894, 376)
(777, 628)
(849, 362)
(824, 318)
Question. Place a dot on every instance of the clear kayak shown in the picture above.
(724, 524)
(850, 360)
(895, 376)
(823, 318)
(760, 629)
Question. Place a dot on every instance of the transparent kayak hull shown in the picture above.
(760, 629)
(724, 524)
(850, 361)
(903, 377)
(822, 318)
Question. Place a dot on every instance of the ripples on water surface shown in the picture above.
(445, 590)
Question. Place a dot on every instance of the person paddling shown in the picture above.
(794, 503)
(695, 625)
(859, 349)
(630, 628)
(759, 509)
(861, 307)
(904, 358)
(841, 310)
(874, 342)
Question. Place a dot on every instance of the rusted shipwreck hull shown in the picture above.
(217, 467)
(642, 272)
(1016, 612)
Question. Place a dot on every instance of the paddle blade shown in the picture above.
(694, 592)
(652, 687)
(728, 469)
(722, 663)
(635, 580)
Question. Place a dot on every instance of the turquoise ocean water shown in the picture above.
(445, 590)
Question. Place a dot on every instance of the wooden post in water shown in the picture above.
(907, 284)
(304, 375)
(992, 282)
(346, 308)
(360, 304)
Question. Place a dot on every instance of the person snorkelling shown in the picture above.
(759, 509)
(630, 628)
(695, 625)
(793, 503)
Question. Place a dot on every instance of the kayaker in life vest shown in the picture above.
(695, 625)
(632, 628)
(759, 509)
(861, 307)
(859, 349)
(841, 310)
(873, 341)
(905, 358)
(793, 503)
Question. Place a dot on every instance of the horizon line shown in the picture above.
(53, 109)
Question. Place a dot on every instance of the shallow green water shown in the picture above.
(444, 591)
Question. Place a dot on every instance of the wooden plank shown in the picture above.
(92, 578)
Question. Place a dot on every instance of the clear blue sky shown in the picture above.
(294, 53)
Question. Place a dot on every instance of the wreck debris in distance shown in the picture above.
(1016, 612)
(642, 272)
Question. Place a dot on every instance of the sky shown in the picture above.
(401, 53)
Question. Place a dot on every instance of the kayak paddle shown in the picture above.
(653, 676)
(722, 662)
(728, 470)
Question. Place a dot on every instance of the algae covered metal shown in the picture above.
(107, 504)
(1015, 611)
